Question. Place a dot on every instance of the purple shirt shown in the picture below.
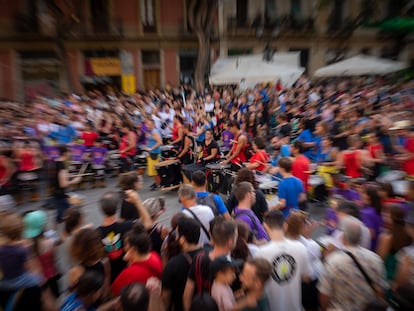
(98, 155)
(373, 221)
(227, 137)
(249, 217)
(331, 217)
(52, 153)
(347, 194)
(77, 152)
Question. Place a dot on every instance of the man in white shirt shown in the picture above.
(290, 264)
(209, 104)
(201, 213)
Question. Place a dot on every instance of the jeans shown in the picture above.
(61, 204)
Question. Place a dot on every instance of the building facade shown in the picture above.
(128, 44)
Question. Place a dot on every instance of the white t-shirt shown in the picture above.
(205, 215)
(209, 107)
(365, 237)
(290, 261)
(223, 295)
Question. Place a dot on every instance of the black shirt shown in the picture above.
(174, 277)
(129, 211)
(207, 151)
(112, 238)
(58, 191)
(259, 208)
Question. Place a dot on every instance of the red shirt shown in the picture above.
(260, 156)
(300, 169)
(138, 272)
(89, 138)
(374, 149)
(408, 166)
(352, 165)
(241, 158)
(27, 161)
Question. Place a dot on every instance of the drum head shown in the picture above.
(27, 176)
(268, 185)
(391, 176)
(400, 187)
(217, 166)
(316, 180)
(167, 163)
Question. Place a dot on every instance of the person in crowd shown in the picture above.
(371, 213)
(154, 150)
(177, 131)
(326, 159)
(342, 284)
(300, 164)
(44, 248)
(376, 152)
(135, 296)
(203, 302)
(224, 237)
(353, 159)
(291, 190)
(89, 136)
(260, 206)
(175, 273)
(290, 265)
(157, 232)
(61, 182)
(127, 146)
(131, 206)
(201, 213)
(259, 160)
(188, 148)
(246, 196)
(210, 149)
(236, 155)
(112, 232)
(245, 248)
(142, 262)
(214, 201)
(88, 253)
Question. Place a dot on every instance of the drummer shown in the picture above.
(260, 158)
(187, 153)
(153, 147)
(236, 155)
(210, 149)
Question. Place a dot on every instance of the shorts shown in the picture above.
(151, 170)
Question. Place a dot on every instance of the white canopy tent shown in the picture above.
(360, 65)
(246, 71)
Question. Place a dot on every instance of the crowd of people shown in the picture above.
(346, 145)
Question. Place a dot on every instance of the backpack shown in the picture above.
(255, 230)
(209, 201)
(201, 285)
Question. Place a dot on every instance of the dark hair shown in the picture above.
(374, 198)
(138, 239)
(298, 145)
(245, 174)
(349, 208)
(127, 180)
(63, 149)
(241, 250)
(86, 246)
(274, 219)
(286, 164)
(89, 283)
(241, 190)
(110, 203)
(72, 219)
(388, 189)
(263, 268)
(199, 178)
(188, 228)
(223, 231)
(233, 123)
(203, 302)
(400, 237)
(135, 296)
(179, 118)
(12, 226)
(259, 142)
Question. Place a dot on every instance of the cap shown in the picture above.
(223, 262)
(7, 203)
(154, 206)
(401, 125)
(34, 223)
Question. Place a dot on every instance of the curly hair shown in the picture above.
(245, 174)
(86, 246)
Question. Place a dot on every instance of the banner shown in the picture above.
(109, 66)
(128, 84)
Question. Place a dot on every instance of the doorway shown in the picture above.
(152, 78)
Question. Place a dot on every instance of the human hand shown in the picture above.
(131, 196)
(76, 180)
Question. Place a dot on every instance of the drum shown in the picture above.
(141, 163)
(28, 181)
(269, 187)
(319, 191)
(316, 180)
(114, 160)
(168, 152)
(391, 176)
(169, 172)
(400, 187)
(99, 171)
(218, 178)
(188, 170)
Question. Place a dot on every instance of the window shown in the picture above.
(270, 12)
(337, 15)
(99, 16)
(295, 8)
(150, 57)
(241, 12)
(148, 15)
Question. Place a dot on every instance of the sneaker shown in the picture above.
(153, 187)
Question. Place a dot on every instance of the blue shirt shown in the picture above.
(202, 136)
(73, 303)
(221, 207)
(307, 137)
(152, 142)
(290, 189)
(64, 135)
